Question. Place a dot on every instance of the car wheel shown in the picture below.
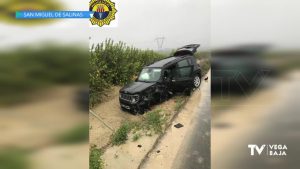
(196, 81)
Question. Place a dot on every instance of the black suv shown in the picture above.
(160, 80)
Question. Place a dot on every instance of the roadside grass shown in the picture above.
(77, 134)
(121, 135)
(13, 158)
(96, 162)
(152, 123)
(136, 136)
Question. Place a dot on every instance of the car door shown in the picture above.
(183, 75)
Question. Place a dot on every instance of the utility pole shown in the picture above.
(160, 42)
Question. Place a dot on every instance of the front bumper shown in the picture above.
(127, 104)
(132, 106)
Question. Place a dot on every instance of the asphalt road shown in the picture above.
(196, 149)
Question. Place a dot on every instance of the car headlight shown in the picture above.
(135, 98)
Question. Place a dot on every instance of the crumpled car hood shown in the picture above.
(135, 87)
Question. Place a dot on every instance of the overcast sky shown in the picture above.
(274, 22)
(181, 22)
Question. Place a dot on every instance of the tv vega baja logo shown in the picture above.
(268, 149)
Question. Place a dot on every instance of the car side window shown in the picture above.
(190, 61)
(183, 69)
(183, 63)
(184, 72)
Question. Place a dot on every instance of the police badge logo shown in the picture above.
(104, 12)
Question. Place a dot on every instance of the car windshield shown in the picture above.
(150, 75)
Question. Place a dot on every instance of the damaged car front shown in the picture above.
(135, 96)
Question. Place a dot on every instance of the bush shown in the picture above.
(115, 64)
(121, 135)
(95, 159)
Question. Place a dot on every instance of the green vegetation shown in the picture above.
(121, 135)
(115, 64)
(136, 136)
(27, 69)
(153, 122)
(204, 58)
(77, 134)
(96, 161)
(202, 55)
(12, 158)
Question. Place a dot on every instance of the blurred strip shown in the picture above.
(44, 107)
(255, 85)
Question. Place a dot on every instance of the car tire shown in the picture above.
(196, 81)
